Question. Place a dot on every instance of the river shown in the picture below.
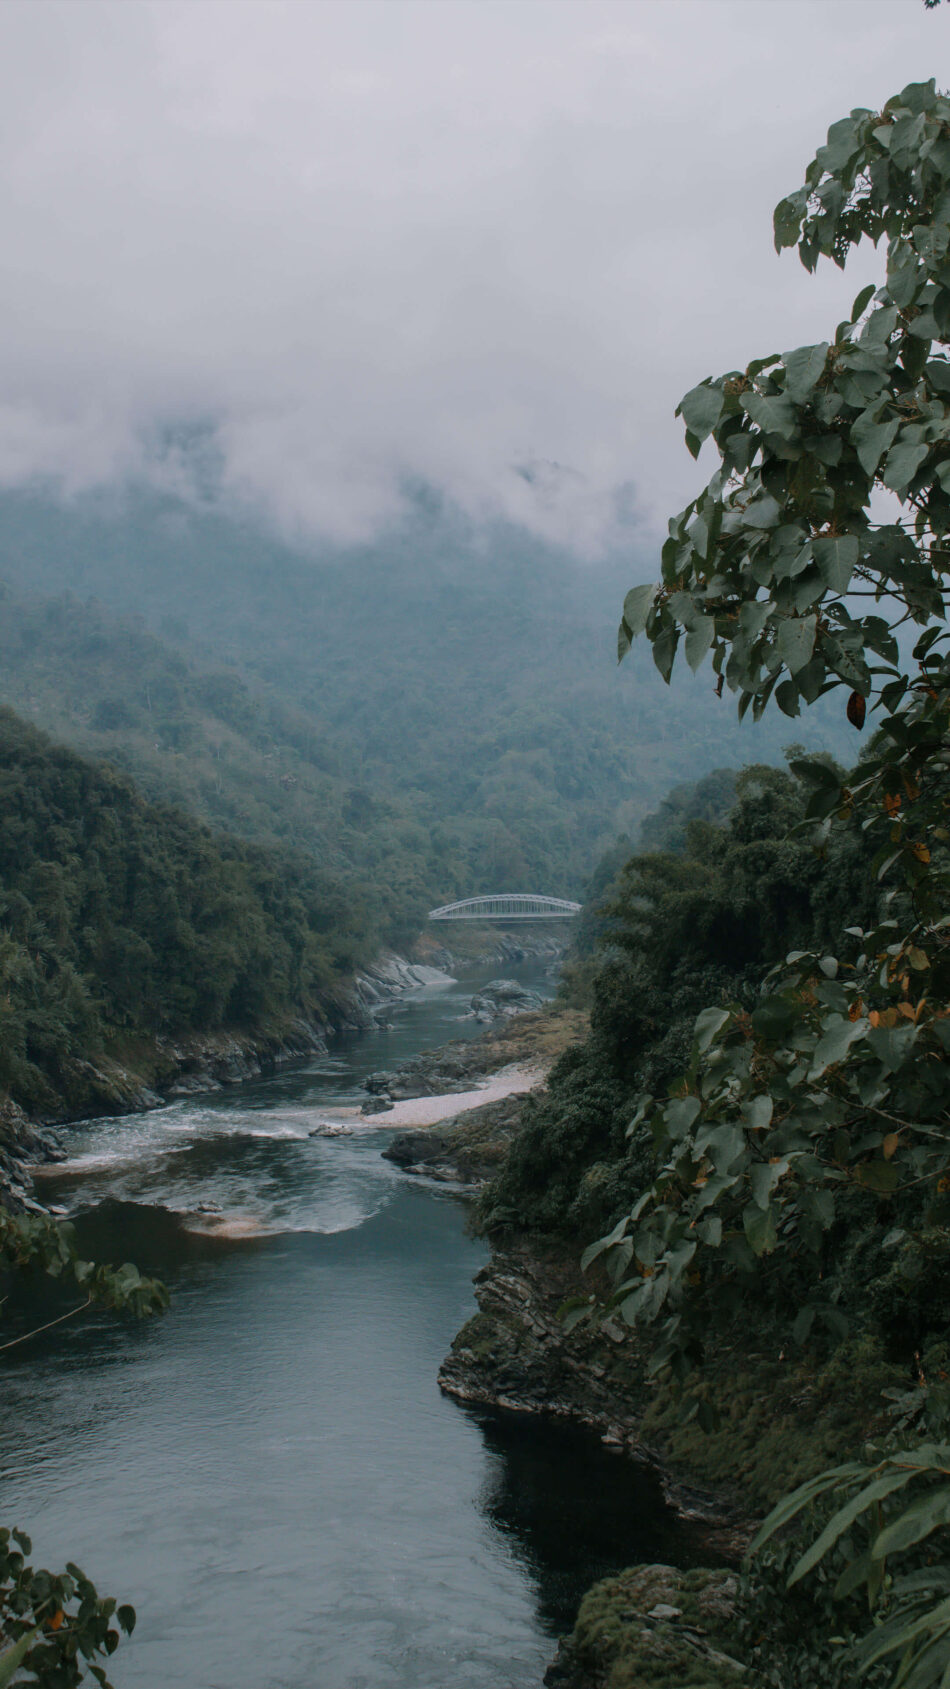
(269, 1473)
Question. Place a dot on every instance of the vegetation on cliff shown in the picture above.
(789, 1151)
(121, 920)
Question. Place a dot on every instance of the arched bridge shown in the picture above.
(507, 906)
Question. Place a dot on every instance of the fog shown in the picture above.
(306, 255)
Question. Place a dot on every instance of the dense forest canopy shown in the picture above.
(120, 918)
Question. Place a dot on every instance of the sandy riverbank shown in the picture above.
(428, 1111)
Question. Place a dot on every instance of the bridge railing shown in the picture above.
(507, 906)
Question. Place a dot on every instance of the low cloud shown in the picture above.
(319, 252)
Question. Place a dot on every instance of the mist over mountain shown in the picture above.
(461, 676)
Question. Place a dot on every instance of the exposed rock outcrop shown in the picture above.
(653, 1627)
(22, 1145)
(502, 998)
(535, 1035)
(466, 1150)
(515, 1353)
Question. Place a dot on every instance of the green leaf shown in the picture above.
(758, 1112)
(836, 559)
(795, 641)
(759, 1226)
(803, 368)
(862, 301)
(774, 1017)
(763, 1179)
(708, 1024)
(787, 219)
(844, 1519)
(764, 512)
(701, 409)
(698, 640)
(871, 439)
(789, 1505)
(927, 1514)
(679, 1116)
(837, 1038)
(880, 1176)
(815, 773)
(903, 462)
(804, 1320)
(636, 608)
(11, 1661)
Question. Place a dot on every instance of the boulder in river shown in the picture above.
(410, 1149)
(501, 998)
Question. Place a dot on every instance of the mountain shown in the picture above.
(448, 693)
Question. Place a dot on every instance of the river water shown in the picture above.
(269, 1473)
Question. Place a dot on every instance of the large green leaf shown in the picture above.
(927, 1514)
(835, 1042)
(12, 1659)
(759, 1226)
(836, 559)
(844, 1519)
(636, 608)
(803, 367)
(795, 642)
(701, 409)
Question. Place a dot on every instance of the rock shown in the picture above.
(627, 1638)
(412, 1149)
(22, 1145)
(377, 1083)
(503, 997)
(515, 1353)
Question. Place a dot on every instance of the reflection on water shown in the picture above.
(270, 1473)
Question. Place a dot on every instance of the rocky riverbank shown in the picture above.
(779, 1418)
(142, 1073)
(533, 1038)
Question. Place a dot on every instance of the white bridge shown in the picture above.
(511, 906)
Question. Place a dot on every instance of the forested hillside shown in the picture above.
(447, 694)
(762, 1113)
(122, 920)
(678, 928)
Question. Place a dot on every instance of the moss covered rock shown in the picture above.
(653, 1627)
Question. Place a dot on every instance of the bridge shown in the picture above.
(507, 906)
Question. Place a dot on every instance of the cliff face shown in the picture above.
(22, 1145)
(514, 1353)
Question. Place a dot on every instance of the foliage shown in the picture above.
(815, 1124)
(36, 1242)
(56, 1624)
(679, 928)
(442, 698)
(121, 919)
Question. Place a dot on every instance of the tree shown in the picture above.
(819, 544)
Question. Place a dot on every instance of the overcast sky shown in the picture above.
(352, 242)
